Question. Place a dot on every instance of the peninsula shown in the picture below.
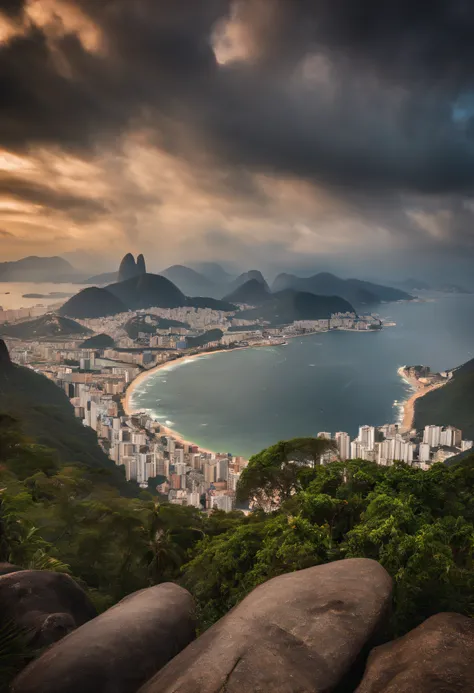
(423, 381)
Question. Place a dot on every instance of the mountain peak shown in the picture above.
(249, 276)
(252, 292)
(129, 269)
(141, 265)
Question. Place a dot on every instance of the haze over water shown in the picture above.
(245, 400)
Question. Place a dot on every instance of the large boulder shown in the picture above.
(436, 657)
(6, 568)
(44, 604)
(119, 650)
(302, 631)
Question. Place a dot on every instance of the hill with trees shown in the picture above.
(252, 292)
(287, 306)
(191, 282)
(148, 324)
(355, 291)
(451, 404)
(49, 325)
(92, 302)
(147, 291)
(212, 303)
(205, 338)
(98, 341)
(47, 418)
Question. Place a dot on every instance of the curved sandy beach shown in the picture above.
(409, 405)
(130, 409)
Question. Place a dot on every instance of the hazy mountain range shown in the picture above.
(133, 288)
(209, 279)
(38, 269)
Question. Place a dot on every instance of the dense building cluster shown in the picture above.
(95, 380)
(387, 444)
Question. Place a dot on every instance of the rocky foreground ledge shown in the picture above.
(313, 631)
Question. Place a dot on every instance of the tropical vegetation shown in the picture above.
(418, 524)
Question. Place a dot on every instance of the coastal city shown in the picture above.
(99, 377)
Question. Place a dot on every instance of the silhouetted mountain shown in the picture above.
(214, 272)
(147, 291)
(4, 354)
(355, 291)
(141, 266)
(191, 282)
(450, 405)
(253, 293)
(213, 303)
(98, 341)
(105, 278)
(129, 269)
(93, 303)
(37, 269)
(286, 306)
(47, 416)
(246, 277)
(49, 325)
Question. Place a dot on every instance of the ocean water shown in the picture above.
(242, 401)
(11, 293)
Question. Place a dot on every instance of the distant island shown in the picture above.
(52, 294)
(38, 269)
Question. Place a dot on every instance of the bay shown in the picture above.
(242, 401)
(11, 294)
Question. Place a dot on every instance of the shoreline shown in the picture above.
(129, 409)
(409, 404)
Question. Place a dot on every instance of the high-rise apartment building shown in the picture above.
(343, 443)
(367, 436)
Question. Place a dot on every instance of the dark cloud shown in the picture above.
(77, 208)
(384, 110)
(12, 8)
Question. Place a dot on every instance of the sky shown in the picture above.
(278, 134)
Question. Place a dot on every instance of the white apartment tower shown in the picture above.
(343, 443)
(432, 436)
(424, 452)
(367, 437)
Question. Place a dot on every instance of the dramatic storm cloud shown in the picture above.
(325, 133)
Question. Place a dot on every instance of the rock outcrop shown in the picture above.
(141, 265)
(119, 650)
(129, 269)
(302, 631)
(45, 605)
(436, 657)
